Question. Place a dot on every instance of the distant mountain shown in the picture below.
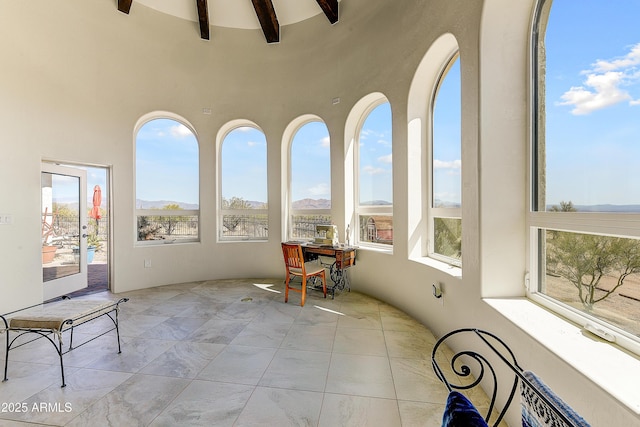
(326, 204)
(159, 204)
(604, 208)
(444, 204)
(311, 204)
(376, 203)
(608, 208)
(255, 204)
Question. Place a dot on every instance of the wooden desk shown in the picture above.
(345, 257)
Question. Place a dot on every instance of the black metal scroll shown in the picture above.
(476, 368)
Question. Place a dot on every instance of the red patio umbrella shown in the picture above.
(97, 201)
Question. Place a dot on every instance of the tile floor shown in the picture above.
(232, 353)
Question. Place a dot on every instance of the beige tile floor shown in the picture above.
(232, 353)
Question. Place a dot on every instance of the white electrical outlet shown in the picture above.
(147, 263)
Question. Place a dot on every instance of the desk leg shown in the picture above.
(339, 278)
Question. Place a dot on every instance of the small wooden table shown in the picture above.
(345, 257)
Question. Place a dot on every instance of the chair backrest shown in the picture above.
(293, 257)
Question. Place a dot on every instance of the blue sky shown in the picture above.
(592, 127)
(166, 162)
(65, 188)
(593, 102)
(375, 156)
(311, 163)
(244, 165)
(446, 138)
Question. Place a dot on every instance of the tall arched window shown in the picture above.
(374, 179)
(243, 185)
(585, 194)
(167, 180)
(445, 241)
(310, 180)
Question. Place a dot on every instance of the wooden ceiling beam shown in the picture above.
(330, 8)
(268, 20)
(203, 18)
(124, 6)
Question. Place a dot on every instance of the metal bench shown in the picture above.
(49, 320)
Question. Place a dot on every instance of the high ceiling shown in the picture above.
(268, 15)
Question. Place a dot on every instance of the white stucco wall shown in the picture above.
(76, 76)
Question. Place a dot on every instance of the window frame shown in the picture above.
(288, 139)
(624, 225)
(369, 210)
(221, 212)
(433, 212)
(162, 212)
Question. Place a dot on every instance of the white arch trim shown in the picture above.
(355, 120)
(419, 113)
(154, 115)
(285, 170)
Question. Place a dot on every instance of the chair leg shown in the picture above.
(286, 289)
(304, 290)
(324, 284)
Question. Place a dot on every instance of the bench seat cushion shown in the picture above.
(60, 315)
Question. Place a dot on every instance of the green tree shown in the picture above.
(63, 211)
(231, 222)
(564, 207)
(147, 228)
(585, 259)
(448, 237)
(170, 222)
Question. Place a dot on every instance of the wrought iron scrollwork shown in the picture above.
(468, 368)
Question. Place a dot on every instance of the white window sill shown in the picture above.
(379, 249)
(164, 242)
(451, 270)
(613, 369)
(243, 241)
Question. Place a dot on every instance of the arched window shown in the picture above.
(374, 178)
(445, 240)
(243, 184)
(167, 180)
(585, 211)
(310, 180)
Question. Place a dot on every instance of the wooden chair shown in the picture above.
(295, 265)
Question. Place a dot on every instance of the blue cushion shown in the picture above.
(460, 412)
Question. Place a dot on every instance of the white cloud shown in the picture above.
(602, 91)
(444, 196)
(321, 189)
(252, 143)
(439, 164)
(604, 84)
(385, 159)
(180, 131)
(629, 60)
(364, 133)
(325, 142)
(370, 170)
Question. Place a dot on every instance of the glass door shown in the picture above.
(64, 229)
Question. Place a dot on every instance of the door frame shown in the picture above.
(73, 282)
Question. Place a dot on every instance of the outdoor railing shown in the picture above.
(304, 226)
(245, 226)
(168, 227)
